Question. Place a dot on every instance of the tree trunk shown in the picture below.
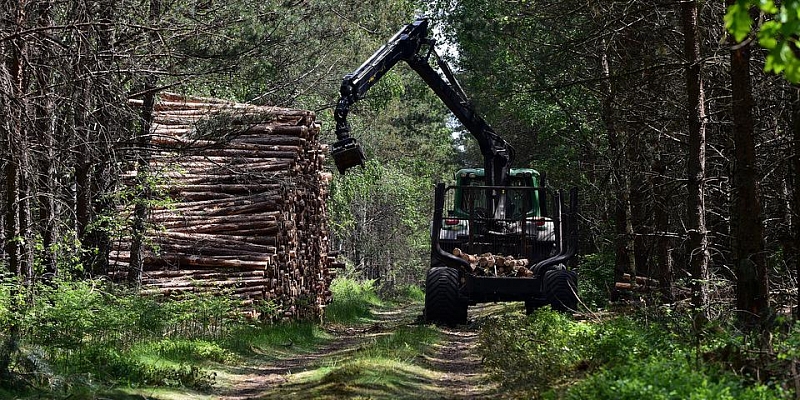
(747, 231)
(622, 263)
(697, 251)
(25, 217)
(47, 180)
(16, 243)
(83, 166)
(663, 269)
(795, 165)
(13, 249)
(142, 171)
(102, 180)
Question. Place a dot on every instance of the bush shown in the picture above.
(78, 333)
(596, 271)
(618, 358)
(546, 348)
(658, 378)
(534, 352)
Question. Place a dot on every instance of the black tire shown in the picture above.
(561, 290)
(533, 305)
(442, 303)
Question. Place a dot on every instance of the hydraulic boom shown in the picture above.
(412, 45)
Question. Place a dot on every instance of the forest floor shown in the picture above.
(344, 366)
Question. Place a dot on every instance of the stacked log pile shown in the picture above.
(245, 210)
(488, 264)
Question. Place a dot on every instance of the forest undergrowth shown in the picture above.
(89, 340)
(86, 339)
(643, 353)
(82, 338)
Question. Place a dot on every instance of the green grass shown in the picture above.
(404, 343)
(410, 294)
(352, 301)
(195, 351)
(387, 366)
(300, 336)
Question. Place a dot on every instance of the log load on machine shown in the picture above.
(498, 234)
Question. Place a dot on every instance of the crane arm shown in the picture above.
(407, 45)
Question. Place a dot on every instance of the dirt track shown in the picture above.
(450, 370)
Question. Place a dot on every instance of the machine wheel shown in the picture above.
(533, 305)
(561, 290)
(442, 304)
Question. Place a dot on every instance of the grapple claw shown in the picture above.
(346, 154)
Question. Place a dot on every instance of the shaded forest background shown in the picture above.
(685, 151)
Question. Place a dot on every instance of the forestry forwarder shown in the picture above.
(494, 209)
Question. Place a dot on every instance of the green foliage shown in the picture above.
(70, 314)
(78, 337)
(379, 211)
(549, 355)
(278, 52)
(352, 301)
(74, 333)
(789, 347)
(663, 378)
(778, 34)
(409, 294)
(201, 314)
(596, 274)
(534, 352)
(510, 54)
(6, 289)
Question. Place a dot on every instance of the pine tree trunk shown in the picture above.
(83, 166)
(622, 262)
(12, 246)
(142, 171)
(15, 137)
(795, 165)
(747, 231)
(47, 180)
(663, 269)
(697, 251)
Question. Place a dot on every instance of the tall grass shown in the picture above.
(352, 301)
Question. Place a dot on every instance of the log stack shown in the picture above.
(488, 264)
(244, 209)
